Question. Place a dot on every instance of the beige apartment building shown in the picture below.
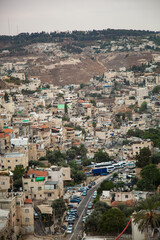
(5, 182)
(68, 133)
(137, 146)
(4, 141)
(35, 151)
(33, 184)
(17, 214)
(11, 160)
(45, 185)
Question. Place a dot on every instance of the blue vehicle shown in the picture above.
(103, 170)
(99, 171)
(75, 200)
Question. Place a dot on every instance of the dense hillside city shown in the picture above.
(80, 135)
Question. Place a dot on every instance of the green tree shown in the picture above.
(143, 158)
(101, 156)
(156, 90)
(71, 153)
(148, 217)
(59, 207)
(6, 97)
(92, 221)
(155, 158)
(86, 161)
(17, 176)
(91, 224)
(101, 207)
(56, 157)
(143, 107)
(93, 102)
(83, 150)
(78, 175)
(150, 178)
(66, 108)
(113, 221)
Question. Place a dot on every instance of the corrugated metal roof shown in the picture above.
(51, 182)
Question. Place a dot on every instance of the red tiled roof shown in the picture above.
(87, 105)
(43, 126)
(3, 135)
(8, 130)
(68, 128)
(27, 200)
(80, 101)
(55, 129)
(76, 143)
(128, 203)
(37, 173)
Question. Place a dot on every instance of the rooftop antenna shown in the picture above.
(9, 27)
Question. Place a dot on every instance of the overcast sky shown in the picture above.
(18, 16)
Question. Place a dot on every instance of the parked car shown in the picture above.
(69, 230)
(93, 183)
(90, 205)
(84, 219)
(84, 193)
(35, 215)
(75, 200)
(89, 212)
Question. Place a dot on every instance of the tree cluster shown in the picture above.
(105, 220)
(152, 133)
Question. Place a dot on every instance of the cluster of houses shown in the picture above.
(36, 117)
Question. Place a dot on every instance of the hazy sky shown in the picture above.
(18, 16)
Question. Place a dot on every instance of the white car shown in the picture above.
(69, 229)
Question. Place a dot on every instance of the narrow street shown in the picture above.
(78, 226)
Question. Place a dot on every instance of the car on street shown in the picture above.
(84, 193)
(90, 205)
(84, 219)
(35, 215)
(74, 200)
(93, 183)
(69, 229)
(89, 212)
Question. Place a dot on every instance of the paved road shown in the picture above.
(82, 208)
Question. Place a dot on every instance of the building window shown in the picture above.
(17, 220)
(25, 183)
(16, 160)
(126, 196)
(26, 210)
(2, 183)
(8, 160)
(17, 203)
(49, 194)
(26, 219)
(39, 188)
